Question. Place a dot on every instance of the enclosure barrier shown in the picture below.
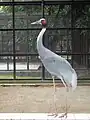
(64, 26)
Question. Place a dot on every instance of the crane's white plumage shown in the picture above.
(55, 64)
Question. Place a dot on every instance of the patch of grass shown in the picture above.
(6, 76)
(31, 79)
(27, 77)
(21, 79)
(10, 76)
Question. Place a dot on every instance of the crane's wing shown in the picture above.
(57, 66)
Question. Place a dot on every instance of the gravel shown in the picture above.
(40, 99)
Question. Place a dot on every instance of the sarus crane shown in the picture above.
(55, 64)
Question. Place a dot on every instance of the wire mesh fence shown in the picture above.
(67, 35)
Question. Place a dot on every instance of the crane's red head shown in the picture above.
(42, 21)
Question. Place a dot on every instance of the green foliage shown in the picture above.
(59, 15)
(8, 9)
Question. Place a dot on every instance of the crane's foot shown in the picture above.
(53, 114)
(63, 115)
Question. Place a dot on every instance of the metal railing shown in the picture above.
(76, 57)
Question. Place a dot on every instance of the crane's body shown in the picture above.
(55, 64)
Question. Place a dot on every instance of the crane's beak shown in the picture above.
(36, 22)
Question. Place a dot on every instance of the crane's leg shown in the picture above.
(63, 82)
(66, 106)
(54, 99)
(54, 85)
(54, 96)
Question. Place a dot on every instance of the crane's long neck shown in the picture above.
(40, 47)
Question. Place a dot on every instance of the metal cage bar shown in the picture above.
(43, 4)
(14, 60)
(43, 69)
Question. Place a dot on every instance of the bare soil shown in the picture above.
(40, 99)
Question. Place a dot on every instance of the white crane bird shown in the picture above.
(55, 64)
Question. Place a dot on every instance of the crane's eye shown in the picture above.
(43, 22)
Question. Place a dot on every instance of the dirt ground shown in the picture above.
(40, 99)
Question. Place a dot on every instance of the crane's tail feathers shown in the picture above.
(74, 80)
